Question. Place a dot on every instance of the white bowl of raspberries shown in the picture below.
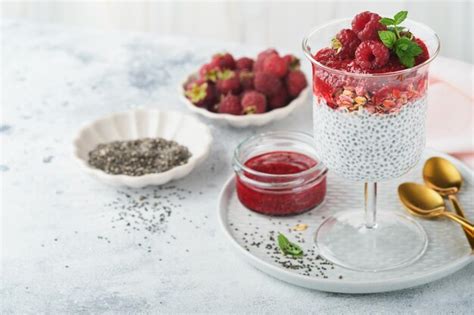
(245, 92)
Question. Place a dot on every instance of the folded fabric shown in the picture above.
(451, 109)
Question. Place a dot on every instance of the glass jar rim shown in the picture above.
(318, 167)
(307, 52)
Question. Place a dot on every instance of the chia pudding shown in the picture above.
(362, 146)
(370, 100)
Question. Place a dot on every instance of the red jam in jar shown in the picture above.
(279, 182)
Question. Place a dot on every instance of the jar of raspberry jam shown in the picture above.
(278, 173)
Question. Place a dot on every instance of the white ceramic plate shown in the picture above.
(249, 233)
(184, 129)
(242, 121)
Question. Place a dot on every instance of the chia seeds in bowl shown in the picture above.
(138, 157)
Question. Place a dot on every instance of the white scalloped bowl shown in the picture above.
(242, 121)
(141, 123)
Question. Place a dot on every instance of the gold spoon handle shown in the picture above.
(457, 205)
(468, 226)
(459, 211)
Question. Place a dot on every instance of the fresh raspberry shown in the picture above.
(280, 99)
(295, 82)
(276, 65)
(366, 25)
(267, 83)
(371, 55)
(208, 72)
(329, 58)
(292, 61)
(228, 82)
(325, 56)
(244, 63)
(201, 94)
(246, 79)
(348, 42)
(254, 102)
(392, 65)
(425, 55)
(230, 104)
(258, 65)
(223, 61)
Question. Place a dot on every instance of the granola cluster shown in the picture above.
(388, 99)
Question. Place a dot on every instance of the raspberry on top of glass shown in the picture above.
(372, 47)
(245, 86)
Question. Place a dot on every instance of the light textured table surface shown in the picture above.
(63, 249)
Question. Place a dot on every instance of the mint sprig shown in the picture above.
(398, 40)
(289, 248)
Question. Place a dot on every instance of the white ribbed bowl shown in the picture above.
(141, 123)
(243, 121)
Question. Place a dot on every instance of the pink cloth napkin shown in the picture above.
(451, 109)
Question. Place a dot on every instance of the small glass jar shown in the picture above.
(278, 173)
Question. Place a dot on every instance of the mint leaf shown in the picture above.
(396, 28)
(388, 38)
(406, 60)
(402, 44)
(289, 248)
(387, 21)
(414, 49)
(400, 17)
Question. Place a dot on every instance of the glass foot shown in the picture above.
(395, 241)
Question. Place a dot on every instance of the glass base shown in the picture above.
(395, 241)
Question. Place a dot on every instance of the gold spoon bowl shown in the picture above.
(424, 202)
(441, 175)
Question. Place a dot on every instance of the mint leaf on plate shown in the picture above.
(289, 248)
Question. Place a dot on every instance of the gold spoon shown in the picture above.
(441, 175)
(425, 202)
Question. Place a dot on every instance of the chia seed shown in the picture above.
(138, 157)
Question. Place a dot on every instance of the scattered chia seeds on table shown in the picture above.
(138, 157)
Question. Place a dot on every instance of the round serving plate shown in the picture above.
(254, 237)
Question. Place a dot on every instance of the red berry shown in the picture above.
(201, 94)
(246, 79)
(276, 65)
(366, 25)
(295, 82)
(425, 55)
(223, 61)
(329, 58)
(254, 102)
(280, 99)
(228, 82)
(230, 104)
(267, 83)
(348, 42)
(292, 61)
(244, 63)
(258, 65)
(208, 72)
(392, 65)
(371, 55)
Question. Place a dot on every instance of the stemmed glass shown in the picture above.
(369, 128)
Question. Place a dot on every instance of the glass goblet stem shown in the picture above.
(370, 196)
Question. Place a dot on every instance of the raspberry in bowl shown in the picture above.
(370, 79)
(278, 173)
(244, 91)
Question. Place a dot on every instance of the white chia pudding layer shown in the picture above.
(369, 147)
